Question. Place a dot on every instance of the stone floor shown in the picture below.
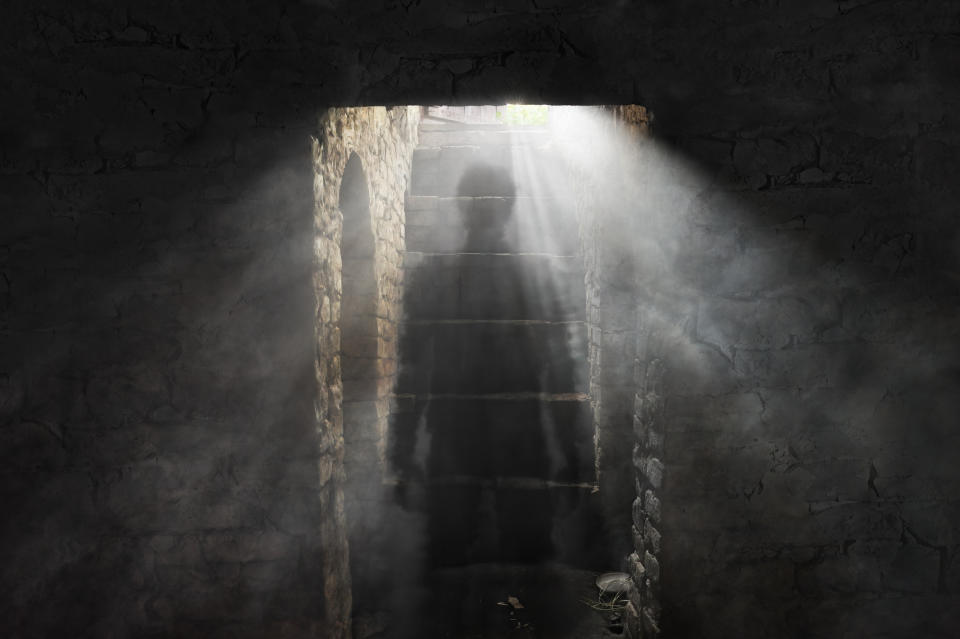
(498, 601)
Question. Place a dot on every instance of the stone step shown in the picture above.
(441, 135)
(488, 171)
(431, 123)
(532, 156)
(470, 522)
(491, 438)
(491, 224)
(493, 357)
(493, 286)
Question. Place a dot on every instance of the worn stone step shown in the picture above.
(493, 286)
(431, 123)
(491, 224)
(438, 136)
(488, 171)
(494, 438)
(535, 156)
(474, 521)
(493, 357)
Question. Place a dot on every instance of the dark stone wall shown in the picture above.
(157, 313)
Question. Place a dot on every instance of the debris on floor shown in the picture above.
(512, 601)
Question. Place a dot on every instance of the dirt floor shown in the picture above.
(498, 601)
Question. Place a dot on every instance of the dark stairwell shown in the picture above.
(491, 441)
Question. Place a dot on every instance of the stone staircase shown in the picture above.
(491, 437)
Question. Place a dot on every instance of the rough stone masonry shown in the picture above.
(796, 349)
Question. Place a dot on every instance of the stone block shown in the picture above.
(651, 538)
(650, 468)
(651, 506)
(638, 514)
(360, 346)
(360, 375)
(636, 569)
(638, 544)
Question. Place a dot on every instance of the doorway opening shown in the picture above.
(471, 299)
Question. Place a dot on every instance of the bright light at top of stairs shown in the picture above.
(523, 114)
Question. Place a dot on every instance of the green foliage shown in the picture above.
(523, 114)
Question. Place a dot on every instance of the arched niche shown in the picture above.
(358, 324)
(358, 352)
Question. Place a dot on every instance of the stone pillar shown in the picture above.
(382, 139)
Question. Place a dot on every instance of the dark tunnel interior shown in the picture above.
(317, 321)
